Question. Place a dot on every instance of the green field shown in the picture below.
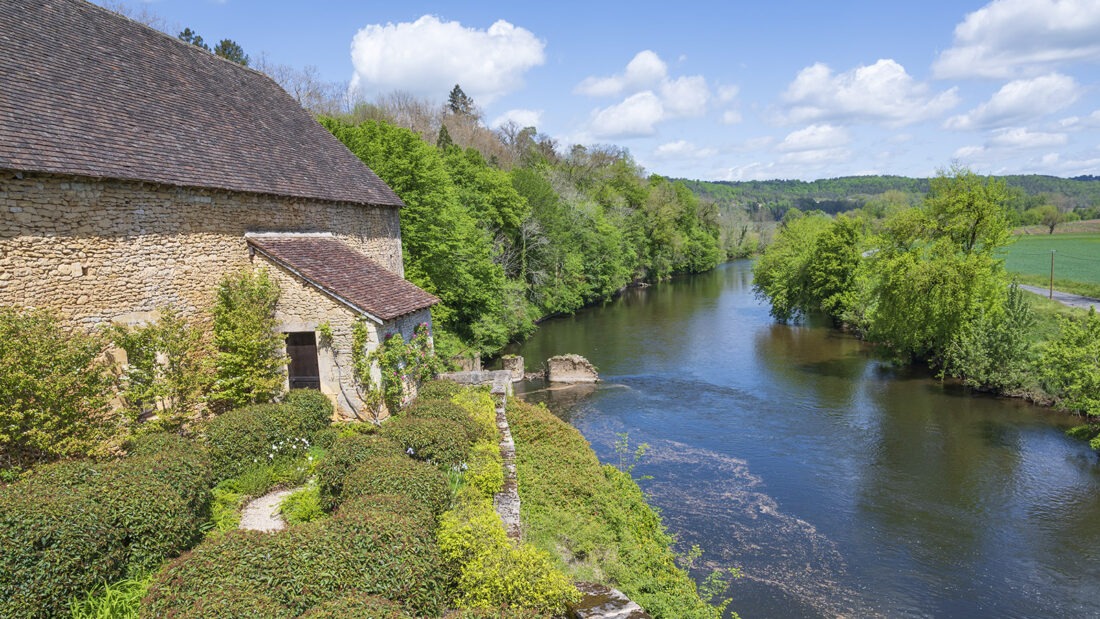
(1076, 261)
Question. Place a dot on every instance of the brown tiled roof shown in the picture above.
(343, 273)
(87, 92)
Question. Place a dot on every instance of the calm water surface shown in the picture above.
(841, 485)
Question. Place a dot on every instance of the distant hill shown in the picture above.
(836, 195)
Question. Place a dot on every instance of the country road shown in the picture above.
(1065, 298)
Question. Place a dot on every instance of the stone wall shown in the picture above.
(100, 251)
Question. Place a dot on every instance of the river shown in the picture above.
(841, 485)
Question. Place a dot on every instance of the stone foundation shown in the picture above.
(570, 369)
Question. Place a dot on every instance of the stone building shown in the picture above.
(137, 170)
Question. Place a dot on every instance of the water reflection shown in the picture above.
(843, 485)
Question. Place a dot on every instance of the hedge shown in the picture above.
(368, 552)
(345, 454)
(244, 436)
(358, 607)
(402, 476)
(72, 525)
(439, 390)
(445, 409)
(442, 442)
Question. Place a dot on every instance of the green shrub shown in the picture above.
(303, 505)
(312, 404)
(293, 571)
(451, 411)
(57, 543)
(480, 406)
(54, 391)
(250, 360)
(358, 607)
(439, 390)
(485, 469)
(440, 441)
(491, 571)
(346, 453)
(398, 504)
(399, 475)
(259, 433)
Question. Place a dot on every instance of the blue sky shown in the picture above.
(723, 91)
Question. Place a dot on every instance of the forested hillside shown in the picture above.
(1079, 195)
(506, 230)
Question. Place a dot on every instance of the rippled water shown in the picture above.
(841, 485)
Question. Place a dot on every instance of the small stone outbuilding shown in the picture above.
(137, 170)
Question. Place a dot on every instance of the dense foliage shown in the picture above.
(502, 248)
(54, 390)
(70, 526)
(250, 350)
(594, 519)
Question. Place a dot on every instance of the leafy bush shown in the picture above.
(260, 432)
(250, 359)
(357, 551)
(54, 390)
(439, 441)
(302, 505)
(399, 475)
(485, 471)
(1070, 365)
(72, 525)
(314, 408)
(358, 607)
(474, 429)
(439, 390)
(594, 519)
(346, 453)
(491, 572)
(481, 407)
(167, 370)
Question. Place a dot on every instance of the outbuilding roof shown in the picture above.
(85, 91)
(343, 274)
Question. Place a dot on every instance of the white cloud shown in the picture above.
(967, 153)
(636, 116)
(522, 117)
(731, 117)
(682, 149)
(651, 97)
(816, 159)
(1076, 122)
(1020, 138)
(883, 92)
(1018, 101)
(685, 96)
(429, 56)
(727, 94)
(814, 137)
(645, 70)
(1009, 38)
(1055, 164)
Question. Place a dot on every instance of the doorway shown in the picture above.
(304, 369)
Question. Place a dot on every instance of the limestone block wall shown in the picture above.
(302, 307)
(98, 251)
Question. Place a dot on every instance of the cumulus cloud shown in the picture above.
(651, 96)
(814, 137)
(636, 116)
(427, 57)
(522, 117)
(645, 70)
(731, 117)
(1010, 38)
(883, 93)
(1020, 138)
(1018, 101)
(682, 149)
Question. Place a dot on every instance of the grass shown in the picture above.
(594, 519)
(117, 600)
(1047, 313)
(1076, 261)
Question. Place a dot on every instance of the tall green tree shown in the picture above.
(232, 51)
(190, 36)
(458, 102)
(250, 359)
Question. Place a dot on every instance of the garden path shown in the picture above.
(262, 514)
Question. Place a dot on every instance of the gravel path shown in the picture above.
(262, 514)
(1065, 298)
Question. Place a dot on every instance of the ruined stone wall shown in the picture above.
(98, 251)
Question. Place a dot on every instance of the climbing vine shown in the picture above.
(402, 365)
